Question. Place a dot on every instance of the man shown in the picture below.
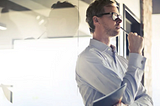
(100, 70)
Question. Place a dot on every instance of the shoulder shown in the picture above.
(90, 54)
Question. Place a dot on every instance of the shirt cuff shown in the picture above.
(137, 60)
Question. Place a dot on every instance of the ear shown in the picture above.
(95, 19)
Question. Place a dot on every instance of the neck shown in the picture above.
(103, 39)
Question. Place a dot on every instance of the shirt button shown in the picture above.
(142, 62)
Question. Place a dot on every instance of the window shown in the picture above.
(131, 24)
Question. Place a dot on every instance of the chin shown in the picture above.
(116, 33)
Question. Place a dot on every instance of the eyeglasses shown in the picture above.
(115, 16)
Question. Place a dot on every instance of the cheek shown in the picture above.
(108, 25)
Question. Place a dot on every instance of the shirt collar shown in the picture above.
(101, 46)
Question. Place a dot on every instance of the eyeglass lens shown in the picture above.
(115, 16)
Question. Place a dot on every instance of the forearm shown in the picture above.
(133, 77)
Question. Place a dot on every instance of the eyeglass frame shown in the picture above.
(112, 13)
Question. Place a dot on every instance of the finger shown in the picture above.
(135, 34)
(130, 35)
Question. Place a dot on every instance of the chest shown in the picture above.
(116, 63)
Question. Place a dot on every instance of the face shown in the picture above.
(110, 27)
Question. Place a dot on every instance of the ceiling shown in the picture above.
(15, 6)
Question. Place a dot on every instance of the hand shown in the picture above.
(135, 43)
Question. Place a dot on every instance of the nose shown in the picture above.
(118, 20)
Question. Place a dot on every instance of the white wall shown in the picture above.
(155, 59)
(42, 72)
(133, 5)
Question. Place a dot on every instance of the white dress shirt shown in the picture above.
(99, 71)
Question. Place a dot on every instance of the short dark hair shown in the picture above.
(95, 8)
(66, 13)
(64, 4)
